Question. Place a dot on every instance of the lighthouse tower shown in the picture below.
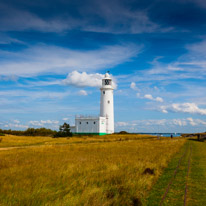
(107, 104)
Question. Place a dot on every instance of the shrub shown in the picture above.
(64, 131)
(123, 132)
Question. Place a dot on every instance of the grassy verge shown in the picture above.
(104, 173)
(196, 181)
(176, 192)
(197, 178)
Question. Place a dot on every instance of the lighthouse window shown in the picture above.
(106, 81)
(79, 122)
(94, 122)
(103, 92)
(108, 102)
(87, 122)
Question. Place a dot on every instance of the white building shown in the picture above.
(104, 124)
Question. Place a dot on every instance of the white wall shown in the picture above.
(90, 125)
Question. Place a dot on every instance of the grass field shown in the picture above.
(82, 171)
(20, 141)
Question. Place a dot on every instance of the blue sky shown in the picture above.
(54, 53)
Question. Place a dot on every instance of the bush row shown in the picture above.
(64, 131)
(30, 132)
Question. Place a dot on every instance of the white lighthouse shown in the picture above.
(107, 103)
(103, 124)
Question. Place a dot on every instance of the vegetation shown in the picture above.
(107, 170)
(123, 132)
(21, 141)
(198, 135)
(30, 132)
(176, 192)
(197, 178)
(195, 152)
(64, 131)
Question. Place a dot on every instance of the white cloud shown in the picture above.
(5, 39)
(191, 121)
(33, 94)
(179, 122)
(191, 108)
(164, 111)
(150, 97)
(44, 59)
(65, 119)
(191, 65)
(118, 20)
(44, 122)
(83, 93)
(9, 78)
(83, 79)
(138, 95)
(49, 122)
(120, 124)
(35, 123)
(16, 126)
(134, 86)
(158, 99)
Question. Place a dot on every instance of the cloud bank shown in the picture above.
(190, 108)
(52, 59)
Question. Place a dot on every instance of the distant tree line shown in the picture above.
(30, 132)
(64, 131)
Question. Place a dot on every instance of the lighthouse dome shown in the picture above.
(107, 75)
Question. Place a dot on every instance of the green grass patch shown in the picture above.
(197, 178)
(196, 181)
(175, 196)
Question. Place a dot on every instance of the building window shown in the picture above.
(79, 122)
(94, 122)
(103, 92)
(87, 122)
(108, 102)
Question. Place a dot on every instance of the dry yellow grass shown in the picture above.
(15, 141)
(106, 172)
